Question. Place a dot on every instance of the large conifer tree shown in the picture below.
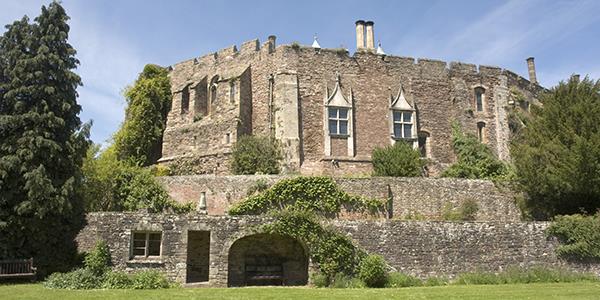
(42, 141)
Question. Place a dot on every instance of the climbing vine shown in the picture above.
(316, 194)
(332, 252)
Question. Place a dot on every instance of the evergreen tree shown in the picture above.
(42, 141)
(557, 155)
(139, 139)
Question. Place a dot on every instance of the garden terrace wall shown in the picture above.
(422, 248)
(426, 198)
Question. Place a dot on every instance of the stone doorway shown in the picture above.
(267, 259)
(198, 256)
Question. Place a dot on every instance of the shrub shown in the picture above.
(372, 271)
(255, 154)
(98, 260)
(80, 279)
(398, 160)
(579, 236)
(436, 281)
(150, 279)
(343, 281)
(319, 280)
(398, 280)
(117, 280)
(474, 159)
(467, 211)
(259, 186)
(535, 274)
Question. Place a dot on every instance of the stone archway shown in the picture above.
(267, 259)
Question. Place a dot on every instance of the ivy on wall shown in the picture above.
(320, 195)
(297, 205)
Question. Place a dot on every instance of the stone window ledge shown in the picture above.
(348, 158)
(142, 261)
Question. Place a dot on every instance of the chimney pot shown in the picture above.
(360, 34)
(531, 69)
(370, 35)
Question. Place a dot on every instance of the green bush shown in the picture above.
(467, 211)
(398, 280)
(535, 274)
(436, 281)
(475, 160)
(319, 280)
(398, 160)
(80, 279)
(316, 194)
(343, 281)
(255, 155)
(372, 271)
(98, 260)
(150, 279)
(117, 280)
(258, 187)
(579, 236)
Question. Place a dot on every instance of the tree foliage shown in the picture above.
(475, 160)
(148, 102)
(255, 154)
(42, 141)
(116, 185)
(398, 160)
(579, 236)
(557, 155)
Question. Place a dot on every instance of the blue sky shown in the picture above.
(115, 39)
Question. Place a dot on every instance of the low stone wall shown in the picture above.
(421, 248)
(421, 198)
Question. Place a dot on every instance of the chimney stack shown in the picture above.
(531, 68)
(370, 35)
(360, 34)
(272, 45)
(575, 77)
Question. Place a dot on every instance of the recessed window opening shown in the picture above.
(338, 121)
(403, 124)
(146, 244)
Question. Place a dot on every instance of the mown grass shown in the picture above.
(578, 290)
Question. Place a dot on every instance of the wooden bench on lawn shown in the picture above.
(17, 268)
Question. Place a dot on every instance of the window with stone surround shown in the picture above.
(481, 134)
(145, 244)
(403, 124)
(232, 91)
(185, 100)
(479, 99)
(338, 121)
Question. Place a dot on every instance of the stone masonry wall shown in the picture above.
(416, 247)
(442, 93)
(426, 198)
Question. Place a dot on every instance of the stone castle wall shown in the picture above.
(290, 83)
(420, 248)
(426, 198)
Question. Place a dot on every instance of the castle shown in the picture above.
(330, 110)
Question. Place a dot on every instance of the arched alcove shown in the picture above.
(267, 259)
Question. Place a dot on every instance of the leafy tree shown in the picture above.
(42, 141)
(116, 185)
(255, 154)
(398, 160)
(557, 156)
(148, 101)
(474, 159)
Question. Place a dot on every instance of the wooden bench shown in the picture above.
(264, 275)
(17, 268)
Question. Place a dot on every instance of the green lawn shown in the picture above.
(580, 290)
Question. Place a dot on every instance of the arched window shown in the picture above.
(185, 100)
(481, 134)
(479, 98)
